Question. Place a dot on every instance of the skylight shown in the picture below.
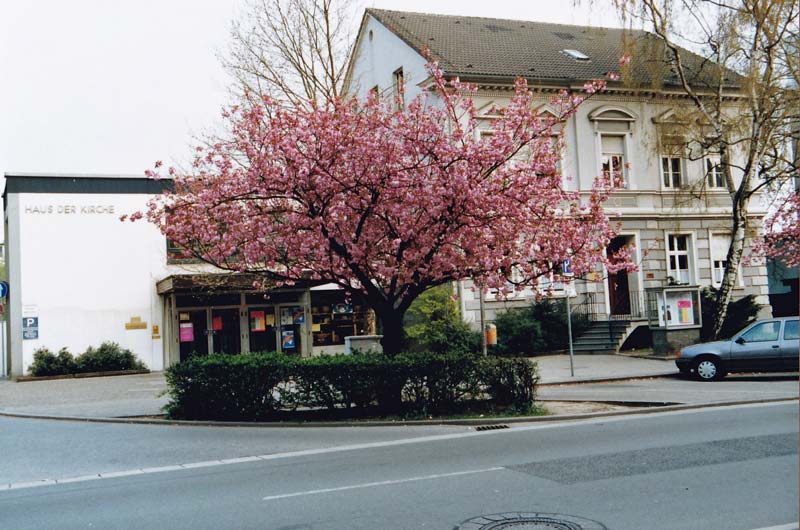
(575, 54)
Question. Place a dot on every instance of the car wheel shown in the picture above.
(708, 369)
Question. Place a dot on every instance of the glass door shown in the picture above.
(263, 331)
(292, 320)
(192, 333)
(225, 331)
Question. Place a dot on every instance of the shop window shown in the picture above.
(672, 171)
(333, 318)
(680, 259)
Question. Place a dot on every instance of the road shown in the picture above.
(730, 468)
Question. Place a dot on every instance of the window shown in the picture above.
(790, 331)
(671, 171)
(399, 89)
(714, 172)
(719, 254)
(375, 91)
(764, 332)
(679, 258)
(613, 158)
(576, 54)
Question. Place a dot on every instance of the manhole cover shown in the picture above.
(529, 521)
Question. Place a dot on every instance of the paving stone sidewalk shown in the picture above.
(141, 395)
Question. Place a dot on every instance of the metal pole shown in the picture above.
(483, 321)
(569, 332)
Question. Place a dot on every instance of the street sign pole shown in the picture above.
(569, 332)
(566, 269)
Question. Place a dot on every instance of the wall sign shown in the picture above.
(30, 328)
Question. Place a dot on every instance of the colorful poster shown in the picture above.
(270, 319)
(217, 324)
(257, 321)
(287, 340)
(298, 316)
(685, 312)
(186, 332)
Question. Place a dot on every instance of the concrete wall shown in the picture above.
(84, 274)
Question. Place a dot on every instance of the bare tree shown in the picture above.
(291, 50)
(742, 102)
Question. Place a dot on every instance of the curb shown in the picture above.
(81, 375)
(414, 423)
(611, 379)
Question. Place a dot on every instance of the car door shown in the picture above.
(790, 345)
(757, 348)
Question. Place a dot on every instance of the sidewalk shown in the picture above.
(140, 395)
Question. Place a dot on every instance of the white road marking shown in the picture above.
(790, 526)
(382, 483)
(515, 428)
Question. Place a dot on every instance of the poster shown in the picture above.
(287, 340)
(186, 332)
(183, 316)
(270, 319)
(217, 324)
(286, 316)
(257, 321)
(685, 312)
(298, 316)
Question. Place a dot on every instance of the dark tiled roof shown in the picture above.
(475, 47)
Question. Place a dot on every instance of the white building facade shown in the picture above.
(674, 209)
(79, 276)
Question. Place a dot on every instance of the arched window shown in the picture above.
(613, 127)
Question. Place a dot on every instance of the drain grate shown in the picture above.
(529, 521)
(491, 427)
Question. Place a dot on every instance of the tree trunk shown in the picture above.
(393, 335)
(733, 260)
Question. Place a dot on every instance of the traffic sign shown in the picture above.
(3, 289)
(566, 269)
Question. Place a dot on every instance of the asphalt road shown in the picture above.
(732, 468)
(678, 389)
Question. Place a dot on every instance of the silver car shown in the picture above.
(765, 345)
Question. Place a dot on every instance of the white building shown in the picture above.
(78, 276)
(673, 209)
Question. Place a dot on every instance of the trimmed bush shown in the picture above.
(46, 363)
(108, 357)
(740, 313)
(433, 323)
(265, 386)
(537, 328)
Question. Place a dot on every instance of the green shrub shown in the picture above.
(537, 328)
(264, 386)
(108, 357)
(741, 312)
(434, 324)
(46, 363)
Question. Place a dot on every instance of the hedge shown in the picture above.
(107, 357)
(267, 386)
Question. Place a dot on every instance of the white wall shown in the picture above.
(377, 59)
(86, 274)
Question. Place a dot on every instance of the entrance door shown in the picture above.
(192, 333)
(619, 295)
(291, 328)
(226, 331)
(262, 329)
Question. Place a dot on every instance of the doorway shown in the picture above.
(192, 333)
(619, 294)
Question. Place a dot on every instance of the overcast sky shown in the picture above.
(110, 86)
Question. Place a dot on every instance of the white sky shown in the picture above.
(110, 86)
